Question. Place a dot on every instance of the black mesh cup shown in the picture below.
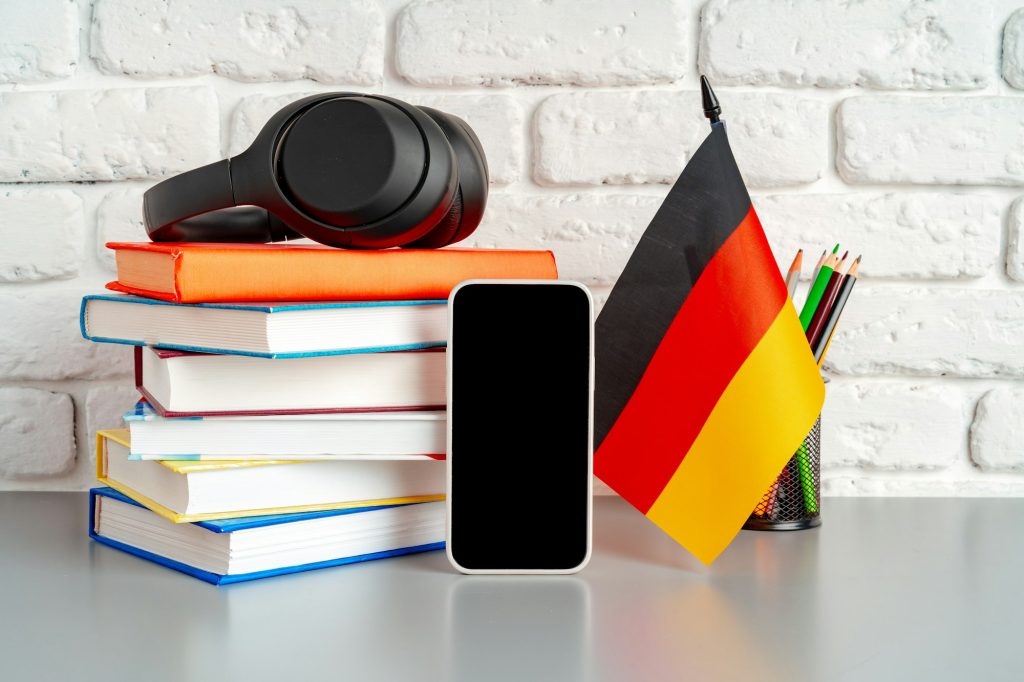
(793, 501)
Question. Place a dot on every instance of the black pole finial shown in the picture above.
(712, 109)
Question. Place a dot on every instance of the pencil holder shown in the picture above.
(793, 502)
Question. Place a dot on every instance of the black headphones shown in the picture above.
(344, 169)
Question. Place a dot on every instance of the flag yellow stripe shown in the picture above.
(759, 421)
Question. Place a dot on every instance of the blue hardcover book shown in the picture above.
(278, 330)
(236, 550)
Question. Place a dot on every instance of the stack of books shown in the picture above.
(292, 402)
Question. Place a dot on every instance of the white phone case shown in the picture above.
(590, 434)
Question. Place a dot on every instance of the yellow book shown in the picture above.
(188, 491)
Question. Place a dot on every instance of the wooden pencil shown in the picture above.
(828, 298)
(829, 329)
(817, 268)
(794, 273)
(817, 289)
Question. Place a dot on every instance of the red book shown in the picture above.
(179, 384)
(200, 273)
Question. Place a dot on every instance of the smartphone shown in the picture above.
(520, 413)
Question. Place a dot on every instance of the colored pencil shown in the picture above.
(803, 459)
(824, 352)
(804, 473)
(829, 329)
(817, 268)
(794, 273)
(829, 291)
(828, 297)
(817, 289)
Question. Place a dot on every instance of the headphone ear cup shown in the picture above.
(447, 229)
(467, 209)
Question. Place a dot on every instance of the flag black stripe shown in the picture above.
(701, 211)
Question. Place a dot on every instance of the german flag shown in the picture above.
(705, 382)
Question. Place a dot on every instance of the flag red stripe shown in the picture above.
(700, 213)
(730, 308)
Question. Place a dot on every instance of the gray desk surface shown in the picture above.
(886, 589)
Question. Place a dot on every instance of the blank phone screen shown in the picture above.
(520, 420)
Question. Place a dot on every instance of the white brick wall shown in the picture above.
(119, 219)
(42, 340)
(248, 40)
(890, 125)
(893, 425)
(109, 134)
(951, 235)
(1015, 245)
(598, 42)
(42, 232)
(646, 136)
(935, 141)
(38, 428)
(992, 445)
(592, 235)
(888, 44)
(106, 405)
(1013, 50)
(932, 332)
(40, 41)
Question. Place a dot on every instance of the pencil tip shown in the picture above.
(845, 255)
(854, 267)
(836, 249)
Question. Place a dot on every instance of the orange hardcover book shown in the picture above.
(201, 273)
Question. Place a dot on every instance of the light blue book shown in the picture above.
(278, 330)
(237, 550)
